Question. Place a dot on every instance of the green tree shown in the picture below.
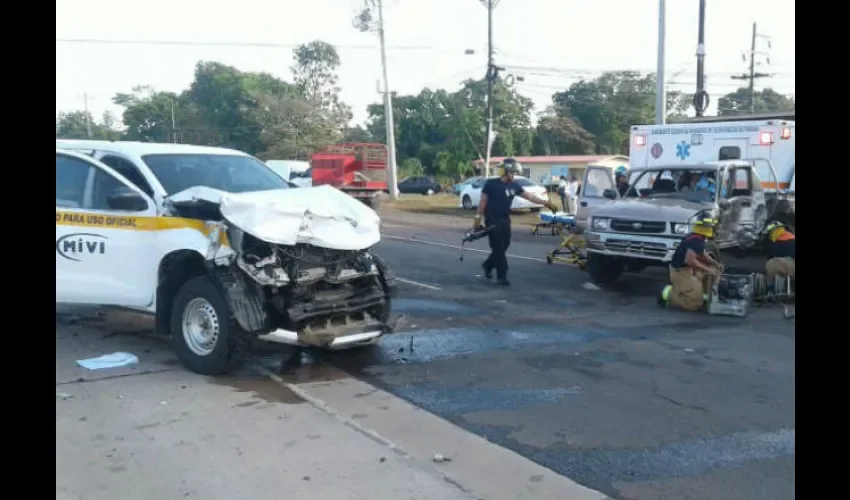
(561, 135)
(148, 113)
(72, 125)
(314, 68)
(766, 101)
(607, 106)
(410, 166)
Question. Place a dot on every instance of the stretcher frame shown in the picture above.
(572, 248)
(554, 228)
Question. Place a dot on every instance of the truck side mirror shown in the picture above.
(124, 198)
(610, 194)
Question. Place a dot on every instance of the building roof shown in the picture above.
(554, 159)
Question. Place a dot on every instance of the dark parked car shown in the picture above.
(418, 184)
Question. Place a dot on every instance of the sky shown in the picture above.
(549, 43)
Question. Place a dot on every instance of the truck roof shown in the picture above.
(133, 148)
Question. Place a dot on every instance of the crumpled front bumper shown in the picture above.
(338, 343)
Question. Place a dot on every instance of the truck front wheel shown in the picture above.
(372, 203)
(204, 334)
(602, 269)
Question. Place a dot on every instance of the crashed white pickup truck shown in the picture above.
(215, 245)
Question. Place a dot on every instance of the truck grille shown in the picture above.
(638, 248)
(638, 226)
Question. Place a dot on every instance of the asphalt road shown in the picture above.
(599, 385)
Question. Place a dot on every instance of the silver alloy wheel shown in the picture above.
(200, 326)
(467, 203)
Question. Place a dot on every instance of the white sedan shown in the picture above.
(471, 194)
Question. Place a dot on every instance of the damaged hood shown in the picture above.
(322, 216)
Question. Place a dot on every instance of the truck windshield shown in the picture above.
(230, 173)
(692, 185)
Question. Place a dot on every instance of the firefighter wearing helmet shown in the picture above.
(621, 180)
(497, 196)
(691, 268)
(781, 251)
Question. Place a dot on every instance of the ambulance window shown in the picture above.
(729, 153)
(129, 171)
(71, 175)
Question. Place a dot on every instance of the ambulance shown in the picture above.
(740, 172)
(772, 140)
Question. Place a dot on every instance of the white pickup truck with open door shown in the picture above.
(749, 174)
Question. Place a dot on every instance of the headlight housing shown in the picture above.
(679, 229)
(600, 223)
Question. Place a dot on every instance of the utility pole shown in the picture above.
(364, 21)
(88, 119)
(173, 124)
(660, 92)
(701, 96)
(388, 109)
(492, 76)
(752, 75)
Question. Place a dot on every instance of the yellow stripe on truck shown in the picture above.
(132, 223)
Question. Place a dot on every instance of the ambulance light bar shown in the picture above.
(640, 141)
(785, 133)
(766, 138)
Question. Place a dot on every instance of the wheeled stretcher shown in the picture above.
(571, 249)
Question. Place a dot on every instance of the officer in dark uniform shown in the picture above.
(497, 195)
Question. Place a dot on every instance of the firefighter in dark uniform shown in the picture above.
(781, 251)
(497, 195)
(691, 268)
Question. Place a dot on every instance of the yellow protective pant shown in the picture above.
(779, 266)
(688, 289)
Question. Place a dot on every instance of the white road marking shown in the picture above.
(456, 247)
(534, 259)
(416, 283)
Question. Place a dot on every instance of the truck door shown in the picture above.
(596, 181)
(739, 200)
(103, 253)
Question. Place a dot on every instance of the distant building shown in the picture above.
(547, 169)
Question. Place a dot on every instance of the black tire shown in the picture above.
(373, 203)
(466, 202)
(227, 353)
(603, 270)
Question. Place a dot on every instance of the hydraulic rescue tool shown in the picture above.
(473, 235)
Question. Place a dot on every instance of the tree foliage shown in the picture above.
(438, 132)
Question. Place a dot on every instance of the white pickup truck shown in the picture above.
(218, 248)
(747, 174)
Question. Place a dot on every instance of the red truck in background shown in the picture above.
(358, 169)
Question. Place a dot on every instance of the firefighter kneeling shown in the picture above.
(781, 251)
(691, 269)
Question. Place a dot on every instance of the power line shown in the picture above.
(752, 76)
